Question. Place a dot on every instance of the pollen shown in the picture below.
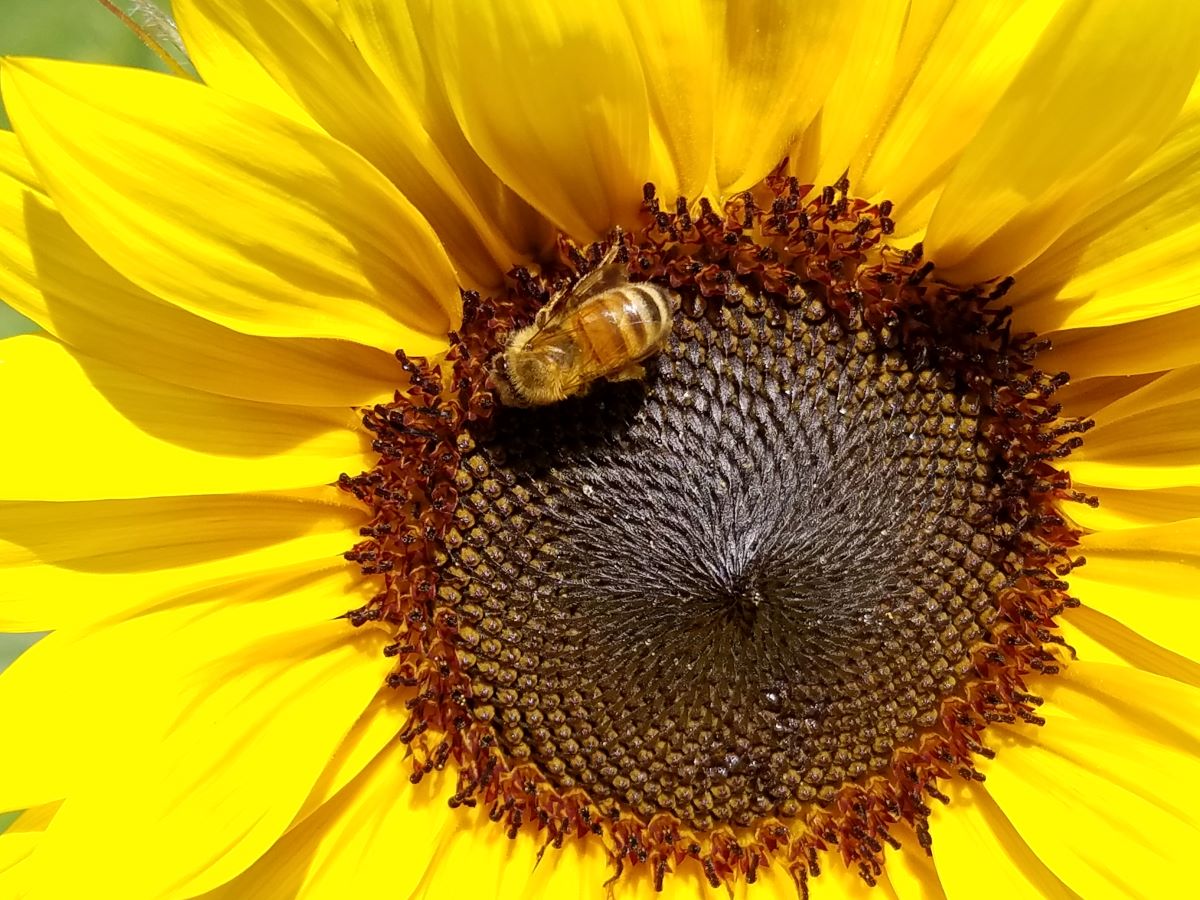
(755, 603)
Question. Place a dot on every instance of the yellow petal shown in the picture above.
(553, 100)
(1147, 439)
(92, 431)
(1179, 386)
(1088, 648)
(1130, 257)
(835, 881)
(1115, 697)
(973, 840)
(856, 96)
(375, 838)
(305, 52)
(1083, 398)
(1109, 814)
(675, 44)
(1132, 348)
(15, 850)
(50, 275)
(228, 65)
(17, 844)
(1072, 123)
(230, 210)
(381, 721)
(201, 632)
(251, 730)
(952, 67)
(777, 62)
(1100, 638)
(386, 35)
(474, 858)
(1143, 577)
(911, 874)
(102, 560)
(1133, 508)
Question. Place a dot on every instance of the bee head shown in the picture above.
(503, 382)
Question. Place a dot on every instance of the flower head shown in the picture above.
(487, 449)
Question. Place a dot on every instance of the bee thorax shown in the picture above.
(529, 379)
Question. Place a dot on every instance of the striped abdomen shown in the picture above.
(620, 327)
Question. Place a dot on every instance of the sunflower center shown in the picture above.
(726, 590)
(754, 602)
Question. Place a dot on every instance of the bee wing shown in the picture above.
(606, 276)
(601, 279)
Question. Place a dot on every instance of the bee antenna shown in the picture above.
(154, 44)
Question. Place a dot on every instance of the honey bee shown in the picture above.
(601, 327)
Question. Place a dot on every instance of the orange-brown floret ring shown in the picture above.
(781, 240)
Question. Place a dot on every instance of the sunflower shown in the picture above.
(839, 584)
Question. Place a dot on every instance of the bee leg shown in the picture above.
(633, 372)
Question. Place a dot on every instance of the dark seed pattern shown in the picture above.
(727, 591)
(756, 605)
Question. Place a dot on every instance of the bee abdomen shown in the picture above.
(628, 323)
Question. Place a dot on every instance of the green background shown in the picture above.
(65, 29)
